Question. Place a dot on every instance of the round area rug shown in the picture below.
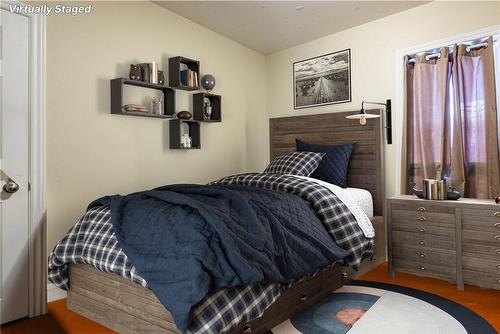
(364, 307)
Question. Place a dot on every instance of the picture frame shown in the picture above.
(322, 80)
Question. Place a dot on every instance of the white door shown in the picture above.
(14, 165)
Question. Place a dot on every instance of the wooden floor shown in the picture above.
(58, 320)
(485, 302)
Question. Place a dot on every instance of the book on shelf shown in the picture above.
(145, 68)
(150, 73)
(153, 72)
(195, 79)
(184, 77)
(189, 78)
(135, 107)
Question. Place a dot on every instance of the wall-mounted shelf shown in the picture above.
(175, 75)
(176, 133)
(117, 98)
(144, 114)
(198, 107)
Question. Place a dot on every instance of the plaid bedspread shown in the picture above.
(92, 241)
(337, 219)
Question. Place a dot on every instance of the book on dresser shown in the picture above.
(458, 241)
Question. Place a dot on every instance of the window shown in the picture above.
(452, 118)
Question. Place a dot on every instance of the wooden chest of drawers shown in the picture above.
(458, 241)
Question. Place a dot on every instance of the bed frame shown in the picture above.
(127, 307)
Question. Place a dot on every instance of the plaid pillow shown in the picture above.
(295, 163)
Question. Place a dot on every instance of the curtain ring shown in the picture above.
(483, 45)
(428, 57)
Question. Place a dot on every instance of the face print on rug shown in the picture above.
(349, 316)
(335, 314)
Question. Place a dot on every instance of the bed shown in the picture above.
(128, 307)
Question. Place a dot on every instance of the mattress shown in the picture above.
(358, 201)
(363, 198)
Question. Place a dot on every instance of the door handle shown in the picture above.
(11, 186)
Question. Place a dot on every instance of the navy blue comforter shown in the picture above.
(191, 240)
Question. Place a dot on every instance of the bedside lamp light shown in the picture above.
(363, 116)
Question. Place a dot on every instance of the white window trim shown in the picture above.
(400, 84)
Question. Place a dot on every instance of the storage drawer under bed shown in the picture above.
(127, 307)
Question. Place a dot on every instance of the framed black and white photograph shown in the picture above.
(322, 80)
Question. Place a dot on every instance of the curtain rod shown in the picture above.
(438, 55)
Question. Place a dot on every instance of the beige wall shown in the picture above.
(93, 153)
(373, 51)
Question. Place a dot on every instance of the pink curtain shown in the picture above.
(452, 121)
(428, 130)
(476, 104)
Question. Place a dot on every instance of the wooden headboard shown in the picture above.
(366, 163)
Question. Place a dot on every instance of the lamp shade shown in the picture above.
(358, 116)
(362, 116)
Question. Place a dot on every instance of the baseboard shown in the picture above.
(54, 293)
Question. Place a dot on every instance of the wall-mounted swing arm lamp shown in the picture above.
(363, 116)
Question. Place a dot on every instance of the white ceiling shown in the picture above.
(270, 26)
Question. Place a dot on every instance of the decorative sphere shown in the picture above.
(497, 200)
(208, 82)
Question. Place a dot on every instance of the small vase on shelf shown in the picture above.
(186, 141)
(157, 105)
(207, 111)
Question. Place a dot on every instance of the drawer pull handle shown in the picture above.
(422, 255)
(246, 328)
(497, 237)
(497, 251)
(303, 298)
(421, 268)
(498, 280)
(498, 266)
(421, 242)
(497, 214)
(497, 225)
(422, 219)
(421, 208)
(423, 230)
